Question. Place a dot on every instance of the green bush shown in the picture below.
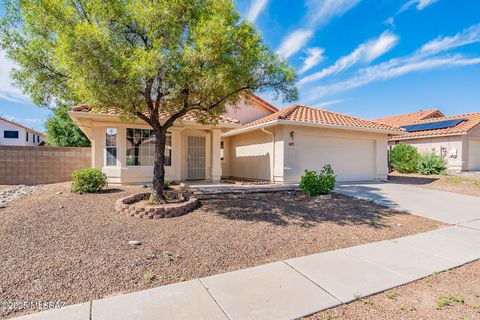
(314, 184)
(88, 181)
(404, 158)
(167, 184)
(430, 163)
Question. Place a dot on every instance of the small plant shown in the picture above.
(169, 256)
(391, 295)
(314, 184)
(166, 184)
(430, 163)
(373, 223)
(88, 181)
(327, 316)
(404, 158)
(447, 300)
(149, 277)
(357, 296)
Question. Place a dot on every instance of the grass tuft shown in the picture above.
(447, 300)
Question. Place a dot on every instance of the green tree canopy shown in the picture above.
(62, 131)
(141, 57)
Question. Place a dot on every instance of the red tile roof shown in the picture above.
(409, 118)
(188, 117)
(24, 127)
(302, 113)
(263, 102)
(471, 121)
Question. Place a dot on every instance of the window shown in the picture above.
(222, 148)
(9, 134)
(26, 136)
(141, 147)
(111, 147)
(33, 138)
(38, 139)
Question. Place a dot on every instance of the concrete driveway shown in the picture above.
(447, 207)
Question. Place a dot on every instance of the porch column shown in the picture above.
(216, 168)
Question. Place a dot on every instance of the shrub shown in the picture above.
(167, 184)
(88, 181)
(404, 158)
(430, 163)
(314, 184)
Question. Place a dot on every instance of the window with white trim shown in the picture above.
(111, 147)
(141, 147)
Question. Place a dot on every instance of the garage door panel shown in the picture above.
(474, 155)
(351, 159)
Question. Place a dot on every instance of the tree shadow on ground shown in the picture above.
(412, 180)
(285, 209)
(110, 190)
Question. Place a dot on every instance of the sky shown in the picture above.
(367, 58)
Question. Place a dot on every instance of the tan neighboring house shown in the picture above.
(456, 138)
(254, 140)
(16, 134)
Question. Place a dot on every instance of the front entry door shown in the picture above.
(195, 158)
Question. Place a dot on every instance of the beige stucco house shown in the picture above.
(254, 140)
(456, 138)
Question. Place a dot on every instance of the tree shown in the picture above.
(143, 58)
(62, 131)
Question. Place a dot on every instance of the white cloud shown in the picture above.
(320, 12)
(324, 104)
(314, 57)
(424, 59)
(392, 69)
(420, 4)
(364, 53)
(7, 91)
(256, 6)
(294, 42)
(467, 36)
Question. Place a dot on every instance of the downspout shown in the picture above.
(273, 153)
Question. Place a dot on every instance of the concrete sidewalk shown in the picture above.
(292, 288)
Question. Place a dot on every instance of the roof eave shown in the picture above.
(395, 138)
(309, 124)
(115, 117)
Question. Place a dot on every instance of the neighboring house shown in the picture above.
(456, 138)
(15, 134)
(254, 140)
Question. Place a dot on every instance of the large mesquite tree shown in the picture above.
(145, 58)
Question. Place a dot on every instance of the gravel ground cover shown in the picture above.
(454, 294)
(59, 246)
(465, 183)
(10, 193)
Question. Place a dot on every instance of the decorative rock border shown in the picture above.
(127, 206)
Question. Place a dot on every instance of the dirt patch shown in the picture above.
(454, 294)
(74, 248)
(464, 183)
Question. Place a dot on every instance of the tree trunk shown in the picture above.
(158, 166)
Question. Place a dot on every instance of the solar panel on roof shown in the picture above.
(433, 125)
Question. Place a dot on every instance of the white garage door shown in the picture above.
(351, 159)
(474, 155)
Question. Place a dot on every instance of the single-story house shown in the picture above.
(253, 140)
(456, 138)
(16, 134)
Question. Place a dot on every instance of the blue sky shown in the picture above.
(368, 58)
